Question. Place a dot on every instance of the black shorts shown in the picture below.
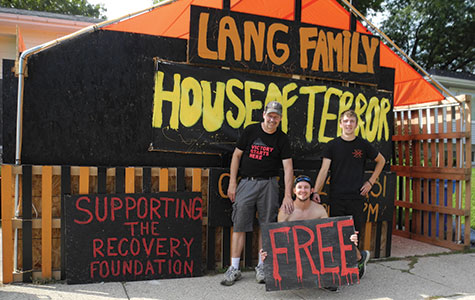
(349, 207)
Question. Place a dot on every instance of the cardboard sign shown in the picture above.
(204, 110)
(378, 206)
(133, 236)
(309, 254)
(223, 37)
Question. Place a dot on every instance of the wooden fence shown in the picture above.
(39, 226)
(433, 165)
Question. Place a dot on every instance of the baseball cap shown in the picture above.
(273, 107)
(301, 178)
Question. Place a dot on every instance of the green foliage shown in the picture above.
(67, 7)
(437, 34)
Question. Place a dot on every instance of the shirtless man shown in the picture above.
(305, 209)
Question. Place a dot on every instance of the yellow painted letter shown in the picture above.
(161, 95)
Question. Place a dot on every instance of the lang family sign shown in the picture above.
(222, 37)
(203, 110)
(133, 236)
(310, 253)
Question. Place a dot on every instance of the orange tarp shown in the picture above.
(172, 20)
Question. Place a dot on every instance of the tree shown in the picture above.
(68, 7)
(437, 34)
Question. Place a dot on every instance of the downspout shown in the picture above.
(21, 78)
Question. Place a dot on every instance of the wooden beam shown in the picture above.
(8, 207)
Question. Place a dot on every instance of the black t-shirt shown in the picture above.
(263, 152)
(348, 159)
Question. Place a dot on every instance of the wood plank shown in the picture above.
(65, 190)
(408, 172)
(450, 205)
(407, 199)
(46, 220)
(180, 179)
(429, 136)
(440, 202)
(368, 235)
(147, 180)
(425, 215)
(433, 201)
(7, 216)
(440, 128)
(210, 247)
(196, 184)
(83, 180)
(227, 233)
(377, 245)
(130, 180)
(438, 170)
(163, 185)
(36, 223)
(441, 243)
(27, 230)
(102, 180)
(433, 208)
(120, 180)
(389, 235)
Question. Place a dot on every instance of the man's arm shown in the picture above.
(233, 171)
(367, 185)
(322, 175)
(288, 203)
(282, 217)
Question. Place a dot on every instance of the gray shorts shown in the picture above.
(262, 195)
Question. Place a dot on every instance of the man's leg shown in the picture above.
(237, 245)
(268, 209)
(233, 273)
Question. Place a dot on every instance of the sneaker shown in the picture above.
(260, 275)
(232, 275)
(362, 262)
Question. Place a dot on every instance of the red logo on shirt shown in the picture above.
(357, 153)
(258, 151)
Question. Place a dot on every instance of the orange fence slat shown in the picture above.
(7, 228)
(196, 185)
(46, 221)
(130, 180)
(163, 185)
(84, 180)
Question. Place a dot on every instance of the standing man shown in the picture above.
(346, 156)
(260, 152)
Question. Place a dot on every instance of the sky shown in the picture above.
(119, 8)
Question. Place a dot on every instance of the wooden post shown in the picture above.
(7, 228)
(46, 221)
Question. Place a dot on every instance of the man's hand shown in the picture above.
(365, 188)
(287, 205)
(263, 254)
(354, 238)
(316, 197)
(232, 191)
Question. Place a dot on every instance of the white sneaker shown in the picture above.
(260, 275)
(232, 275)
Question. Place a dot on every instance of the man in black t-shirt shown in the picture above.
(345, 157)
(260, 152)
